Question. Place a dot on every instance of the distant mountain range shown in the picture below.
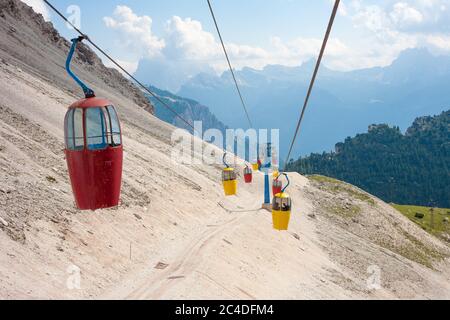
(342, 104)
(188, 109)
(168, 75)
(411, 168)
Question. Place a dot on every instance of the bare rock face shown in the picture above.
(11, 7)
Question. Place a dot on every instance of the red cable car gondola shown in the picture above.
(248, 174)
(94, 151)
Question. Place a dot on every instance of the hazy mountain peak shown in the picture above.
(414, 54)
(343, 103)
(309, 63)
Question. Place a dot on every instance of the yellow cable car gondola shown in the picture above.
(281, 209)
(229, 179)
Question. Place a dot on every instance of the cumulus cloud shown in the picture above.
(404, 15)
(186, 41)
(410, 16)
(135, 32)
(440, 42)
(343, 11)
(296, 51)
(393, 26)
(382, 31)
(373, 18)
(130, 66)
(40, 7)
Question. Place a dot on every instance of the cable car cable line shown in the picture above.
(281, 209)
(117, 64)
(316, 70)
(229, 64)
(237, 211)
(85, 37)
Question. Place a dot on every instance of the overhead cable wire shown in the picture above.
(316, 70)
(229, 64)
(119, 66)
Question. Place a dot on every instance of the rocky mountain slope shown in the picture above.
(189, 109)
(28, 40)
(174, 234)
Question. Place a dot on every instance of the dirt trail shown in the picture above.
(185, 264)
(188, 261)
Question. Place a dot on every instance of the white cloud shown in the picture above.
(40, 7)
(343, 11)
(135, 32)
(381, 33)
(373, 18)
(299, 50)
(412, 16)
(388, 28)
(404, 15)
(440, 42)
(186, 39)
(130, 66)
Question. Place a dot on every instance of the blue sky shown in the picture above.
(259, 32)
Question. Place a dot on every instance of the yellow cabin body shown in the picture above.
(281, 220)
(229, 181)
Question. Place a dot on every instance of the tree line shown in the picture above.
(410, 168)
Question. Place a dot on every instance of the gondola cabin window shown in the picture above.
(102, 129)
(281, 204)
(229, 175)
(74, 130)
(115, 127)
(96, 129)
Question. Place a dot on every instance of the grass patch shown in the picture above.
(349, 211)
(323, 179)
(437, 226)
(336, 186)
(410, 252)
(415, 251)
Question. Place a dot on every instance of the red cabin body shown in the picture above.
(94, 153)
(248, 175)
(277, 187)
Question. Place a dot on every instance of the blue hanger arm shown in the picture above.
(88, 92)
(288, 182)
